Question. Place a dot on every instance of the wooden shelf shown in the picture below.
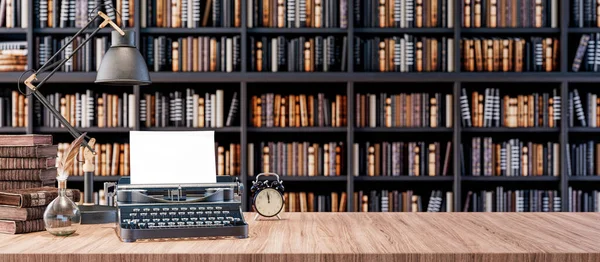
(512, 31)
(228, 129)
(403, 178)
(199, 30)
(510, 130)
(510, 178)
(378, 30)
(303, 178)
(584, 179)
(59, 130)
(13, 130)
(287, 31)
(402, 130)
(584, 129)
(297, 129)
(13, 30)
(577, 30)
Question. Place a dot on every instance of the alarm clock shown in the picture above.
(267, 197)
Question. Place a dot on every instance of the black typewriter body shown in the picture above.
(180, 211)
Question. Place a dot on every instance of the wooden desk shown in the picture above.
(342, 237)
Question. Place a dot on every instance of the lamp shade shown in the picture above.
(122, 64)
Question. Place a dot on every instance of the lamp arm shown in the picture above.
(34, 88)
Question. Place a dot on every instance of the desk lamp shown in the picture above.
(122, 65)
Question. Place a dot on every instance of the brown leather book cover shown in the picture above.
(388, 112)
(382, 59)
(184, 55)
(207, 10)
(419, 56)
(303, 111)
(489, 54)
(33, 197)
(307, 56)
(50, 23)
(548, 61)
(283, 112)
(505, 55)
(309, 13)
(434, 54)
(419, 13)
(475, 108)
(276, 110)
(266, 13)
(496, 48)
(480, 111)
(213, 55)
(291, 105)
(237, 13)
(311, 110)
(365, 203)
(318, 13)
(338, 160)
(478, 55)
(29, 151)
(381, 13)
(555, 54)
(25, 140)
(538, 13)
(300, 160)
(21, 214)
(303, 202)
(343, 202)
(41, 175)
(259, 57)
(175, 56)
(297, 119)
(467, 13)
(477, 13)
(19, 227)
(27, 163)
(281, 13)
(195, 61)
(176, 13)
(471, 55)
(377, 159)
(159, 13)
(371, 161)
(334, 202)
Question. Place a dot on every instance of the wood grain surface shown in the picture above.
(341, 237)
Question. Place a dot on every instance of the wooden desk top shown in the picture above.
(342, 237)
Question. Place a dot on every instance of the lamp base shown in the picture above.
(98, 214)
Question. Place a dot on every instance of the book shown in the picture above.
(21, 214)
(579, 55)
(404, 14)
(298, 13)
(19, 227)
(29, 151)
(25, 140)
(26, 163)
(33, 197)
(41, 175)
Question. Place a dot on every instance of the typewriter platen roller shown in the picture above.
(180, 211)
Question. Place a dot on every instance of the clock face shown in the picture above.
(268, 202)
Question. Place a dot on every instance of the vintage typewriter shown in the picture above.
(179, 211)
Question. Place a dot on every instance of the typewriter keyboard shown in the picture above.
(159, 217)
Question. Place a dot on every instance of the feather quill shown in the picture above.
(68, 157)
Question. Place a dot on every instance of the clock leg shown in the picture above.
(256, 217)
(278, 217)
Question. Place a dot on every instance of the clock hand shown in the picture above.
(269, 198)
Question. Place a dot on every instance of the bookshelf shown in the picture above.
(349, 83)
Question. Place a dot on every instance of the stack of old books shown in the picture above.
(27, 165)
(22, 210)
(27, 161)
